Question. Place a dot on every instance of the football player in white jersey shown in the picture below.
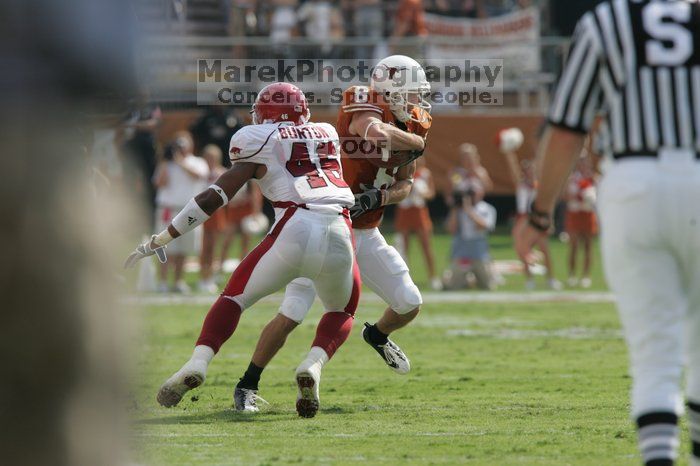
(297, 165)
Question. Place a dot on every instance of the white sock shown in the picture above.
(317, 355)
(202, 353)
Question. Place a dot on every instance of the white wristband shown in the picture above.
(217, 189)
(189, 218)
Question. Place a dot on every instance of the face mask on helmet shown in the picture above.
(410, 105)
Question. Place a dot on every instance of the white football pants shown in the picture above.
(382, 269)
(301, 243)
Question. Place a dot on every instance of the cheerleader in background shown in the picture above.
(581, 223)
(523, 176)
(413, 216)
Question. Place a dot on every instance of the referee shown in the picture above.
(637, 64)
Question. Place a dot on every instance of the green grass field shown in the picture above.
(492, 384)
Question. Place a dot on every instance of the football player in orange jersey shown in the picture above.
(393, 115)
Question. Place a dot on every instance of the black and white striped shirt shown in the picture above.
(637, 61)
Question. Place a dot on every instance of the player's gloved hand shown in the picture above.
(369, 199)
(144, 250)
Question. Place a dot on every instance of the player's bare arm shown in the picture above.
(198, 210)
(371, 128)
(401, 188)
(231, 181)
(559, 151)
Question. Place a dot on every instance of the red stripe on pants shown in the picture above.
(351, 307)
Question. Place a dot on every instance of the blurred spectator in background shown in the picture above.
(469, 222)
(476, 8)
(216, 126)
(470, 172)
(283, 26)
(461, 8)
(138, 147)
(409, 23)
(247, 201)
(180, 176)
(499, 7)
(581, 222)
(321, 21)
(242, 21)
(214, 227)
(413, 216)
(368, 21)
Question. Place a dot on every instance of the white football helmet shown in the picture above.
(402, 80)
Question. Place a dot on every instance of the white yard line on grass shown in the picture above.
(431, 297)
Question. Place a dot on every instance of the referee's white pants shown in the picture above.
(650, 230)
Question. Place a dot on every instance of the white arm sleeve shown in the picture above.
(189, 218)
